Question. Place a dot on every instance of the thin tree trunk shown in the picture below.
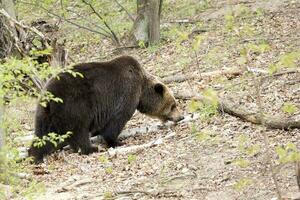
(146, 26)
(154, 21)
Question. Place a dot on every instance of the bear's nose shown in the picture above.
(179, 118)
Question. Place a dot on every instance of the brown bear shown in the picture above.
(100, 103)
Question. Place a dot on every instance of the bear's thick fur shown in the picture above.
(100, 103)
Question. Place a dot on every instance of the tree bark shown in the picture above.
(6, 32)
(146, 26)
(1, 127)
(9, 7)
(5, 39)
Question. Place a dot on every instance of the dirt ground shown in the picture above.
(186, 165)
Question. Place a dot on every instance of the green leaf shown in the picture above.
(103, 159)
(131, 158)
(194, 105)
(212, 96)
(242, 60)
(242, 183)
(109, 170)
(289, 108)
(202, 136)
(197, 42)
(252, 150)
(282, 154)
(273, 68)
(241, 163)
(290, 59)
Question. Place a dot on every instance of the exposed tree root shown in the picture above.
(227, 106)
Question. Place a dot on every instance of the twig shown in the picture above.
(67, 20)
(266, 139)
(104, 22)
(83, 17)
(32, 29)
(123, 8)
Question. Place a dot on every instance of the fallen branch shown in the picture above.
(151, 193)
(181, 78)
(137, 148)
(125, 134)
(229, 107)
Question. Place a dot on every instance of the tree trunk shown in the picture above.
(146, 27)
(6, 32)
(6, 48)
(9, 7)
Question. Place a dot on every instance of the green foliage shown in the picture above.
(289, 108)
(17, 78)
(260, 48)
(245, 147)
(185, 8)
(242, 184)
(287, 60)
(142, 44)
(131, 158)
(207, 137)
(243, 163)
(229, 21)
(287, 153)
(103, 159)
(109, 170)
(47, 97)
(208, 107)
(197, 42)
(108, 195)
(53, 138)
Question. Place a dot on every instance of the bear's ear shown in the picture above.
(159, 88)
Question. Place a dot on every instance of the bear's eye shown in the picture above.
(173, 107)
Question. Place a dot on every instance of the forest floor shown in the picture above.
(209, 163)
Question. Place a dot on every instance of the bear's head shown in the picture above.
(158, 101)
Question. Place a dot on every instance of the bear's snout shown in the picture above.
(177, 119)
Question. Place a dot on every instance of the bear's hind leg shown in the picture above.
(82, 140)
(112, 130)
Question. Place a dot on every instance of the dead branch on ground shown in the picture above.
(234, 109)
(137, 148)
(181, 78)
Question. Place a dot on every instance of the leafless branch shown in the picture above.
(116, 39)
(123, 8)
(67, 20)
